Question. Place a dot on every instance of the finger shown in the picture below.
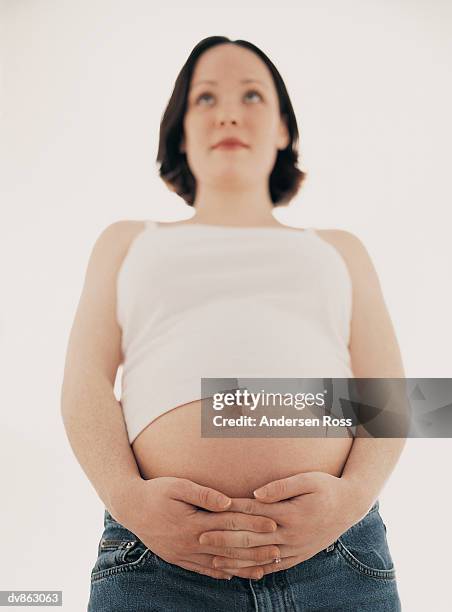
(260, 554)
(248, 556)
(204, 559)
(234, 521)
(208, 561)
(212, 540)
(286, 488)
(247, 505)
(255, 573)
(200, 569)
(285, 563)
(226, 562)
(198, 495)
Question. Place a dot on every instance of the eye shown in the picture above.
(253, 91)
(203, 95)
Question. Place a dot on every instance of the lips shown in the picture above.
(230, 142)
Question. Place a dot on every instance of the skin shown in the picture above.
(320, 506)
(231, 185)
(326, 506)
(232, 189)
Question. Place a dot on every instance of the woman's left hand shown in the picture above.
(311, 510)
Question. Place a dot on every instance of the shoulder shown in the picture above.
(112, 244)
(118, 236)
(343, 239)
(121, 232)
(354, 253)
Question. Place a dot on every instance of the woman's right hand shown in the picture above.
(168, 514)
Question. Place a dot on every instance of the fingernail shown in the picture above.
(260, 493)
(223, 502)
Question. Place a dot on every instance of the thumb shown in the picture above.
(204, 497)
(277, 490)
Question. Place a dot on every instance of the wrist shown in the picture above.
(123, 499)
(358, 499)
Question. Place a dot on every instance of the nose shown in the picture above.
(228, 113)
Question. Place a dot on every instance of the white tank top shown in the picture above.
(225, 302)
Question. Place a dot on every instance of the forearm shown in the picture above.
(368, 467)
(97, 433)
(374, 453)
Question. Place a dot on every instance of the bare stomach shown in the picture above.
(172, 446)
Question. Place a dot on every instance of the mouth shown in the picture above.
(229, 145)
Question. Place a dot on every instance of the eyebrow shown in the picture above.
(216, 82)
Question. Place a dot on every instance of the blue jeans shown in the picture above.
(355, 574)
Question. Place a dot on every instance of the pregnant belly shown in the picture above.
(172, 446)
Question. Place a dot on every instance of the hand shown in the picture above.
(319, 508)
(167, 515)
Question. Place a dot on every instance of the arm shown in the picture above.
(91, 414)
(374, 354)
(98, 436)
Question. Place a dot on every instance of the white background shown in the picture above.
(84, 86)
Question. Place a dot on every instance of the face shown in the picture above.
(229, 107)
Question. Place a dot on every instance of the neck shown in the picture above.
(233, 207)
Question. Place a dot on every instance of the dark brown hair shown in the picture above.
(285, 178)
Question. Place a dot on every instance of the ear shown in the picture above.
(283, 135)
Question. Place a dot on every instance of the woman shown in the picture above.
(229, 293)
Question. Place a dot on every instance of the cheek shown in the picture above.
(262, 127)
(264, 142)
(196, 128)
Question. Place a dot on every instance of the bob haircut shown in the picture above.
(285, 178)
